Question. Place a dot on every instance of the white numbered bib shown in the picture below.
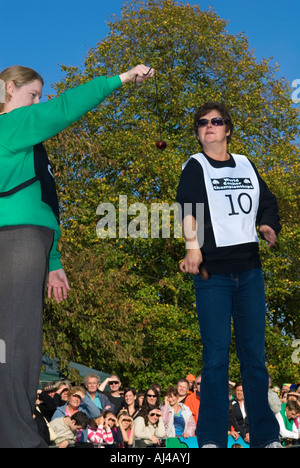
(233, 198)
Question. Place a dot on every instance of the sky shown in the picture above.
(45, 35)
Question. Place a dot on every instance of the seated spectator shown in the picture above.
(126, 425)
(131, 402)
(183, 389)
(77, 401)
(292, 395)
(62, 392)
(140, 398)
(115, 397)
(46, 404)
(193, 400)
(286, 419)
(150, 427)
(177, 417)
(151, 398)
(111, 421)
(98, 433)
(93, 387)
(239, 413)
(284, 391)
(65, 429)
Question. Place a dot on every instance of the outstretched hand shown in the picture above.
(138, 74)
(58, 284)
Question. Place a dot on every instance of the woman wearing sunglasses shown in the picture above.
(149, 426)
(77, 401)
(223, 256)
(151, 398)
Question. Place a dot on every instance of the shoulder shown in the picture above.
(60, 412)
(185, 409)
(194, 161)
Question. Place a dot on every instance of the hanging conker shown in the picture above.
(161, 145)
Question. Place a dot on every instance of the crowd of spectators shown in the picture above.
(89, 416)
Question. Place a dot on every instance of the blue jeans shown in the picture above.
(240, 295)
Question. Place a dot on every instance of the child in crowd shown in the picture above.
(64, 429)
(98, 433)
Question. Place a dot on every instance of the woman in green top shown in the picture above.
(29, 231)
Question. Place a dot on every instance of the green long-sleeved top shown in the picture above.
(25, 127)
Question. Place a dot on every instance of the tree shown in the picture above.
(130, 310)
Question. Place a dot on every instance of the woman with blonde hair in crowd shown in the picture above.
(29, 231)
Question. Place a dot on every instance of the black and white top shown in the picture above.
(236, 200)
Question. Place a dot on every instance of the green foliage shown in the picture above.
(130, 310)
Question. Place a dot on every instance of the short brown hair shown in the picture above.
(221, 108)
(172, 391)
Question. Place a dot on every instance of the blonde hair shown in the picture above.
(20, 76)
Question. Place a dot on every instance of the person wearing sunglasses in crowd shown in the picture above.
(77, 401)
(116, 399)
(149, 426)
(29, 230)
(151, 398)
(223, 255)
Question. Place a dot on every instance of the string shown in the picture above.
(157, 107)
(156, 100)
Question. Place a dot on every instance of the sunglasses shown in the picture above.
(114, 382)
(151, 396)
(216, 122)
(154, 414)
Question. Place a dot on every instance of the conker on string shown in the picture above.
(161, 145)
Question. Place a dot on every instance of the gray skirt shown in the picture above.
(24, 255)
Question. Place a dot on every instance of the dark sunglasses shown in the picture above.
(151, 396)
(216, 122)
(113, 382)
(154, 414)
